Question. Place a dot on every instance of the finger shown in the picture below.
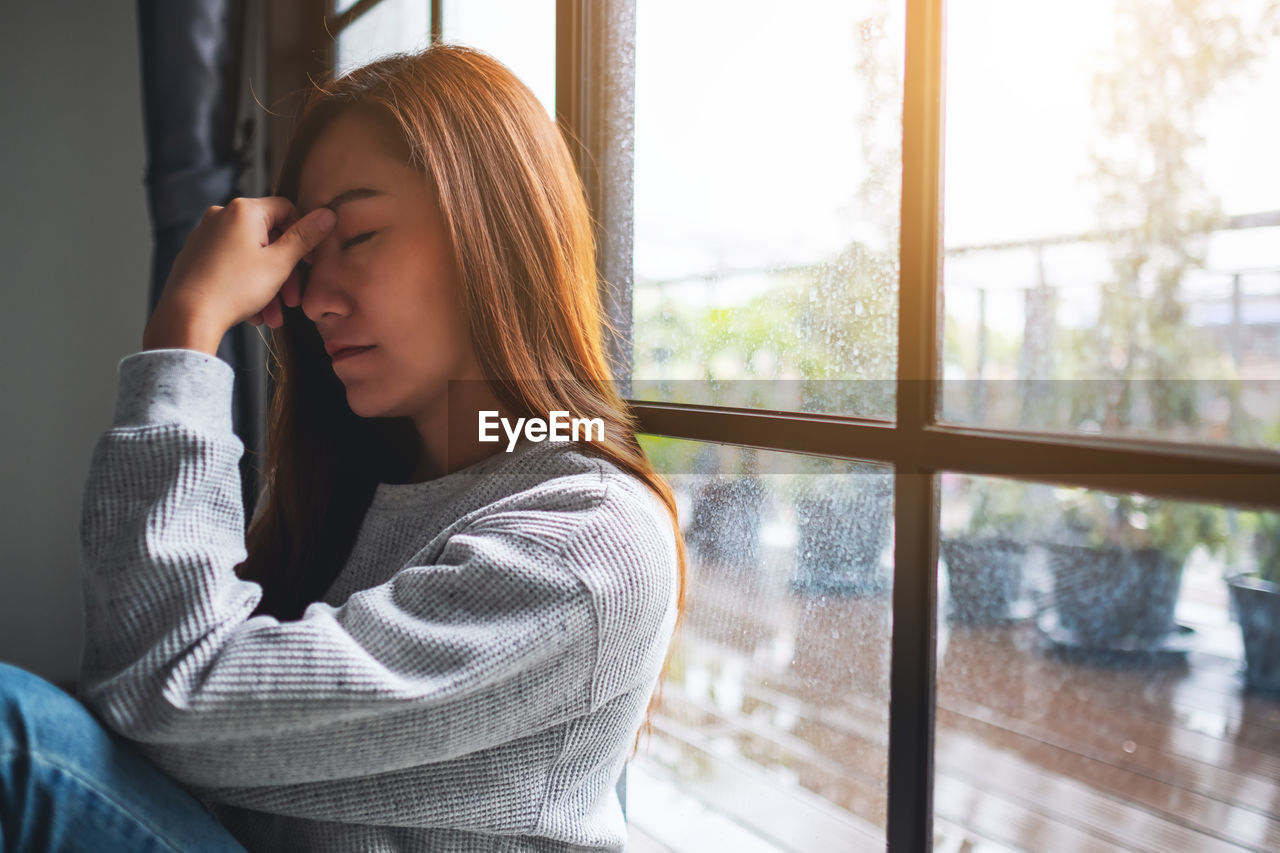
(279, 210)
(291, 290)
(279, 213)
(255, 320)
(305, 234)
(275, 213)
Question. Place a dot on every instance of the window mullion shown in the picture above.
(595, 107)
(336, 23)
(1204, 473)
(915, 547)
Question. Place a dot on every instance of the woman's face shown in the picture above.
(385, 277)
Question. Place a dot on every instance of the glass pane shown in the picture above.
(772, 732)
(767, 173)
(1112, 252)
(1104, 663)
(391, 26)
(521, 34)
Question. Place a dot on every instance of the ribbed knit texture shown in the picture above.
(472, 681)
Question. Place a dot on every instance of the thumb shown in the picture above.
(305, 234)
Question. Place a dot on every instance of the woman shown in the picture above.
(425, 641)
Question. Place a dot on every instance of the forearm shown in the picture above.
(154, 483)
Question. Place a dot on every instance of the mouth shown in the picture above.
(348, 353)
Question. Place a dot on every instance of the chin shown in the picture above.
(364, 406)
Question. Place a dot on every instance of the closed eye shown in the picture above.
(359, 238)
(304, 268)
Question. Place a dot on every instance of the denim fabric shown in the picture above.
(67, 784)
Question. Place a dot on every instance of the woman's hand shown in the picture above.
(234, 268)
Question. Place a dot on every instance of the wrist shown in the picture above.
(170, 328)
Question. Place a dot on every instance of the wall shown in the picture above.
(75, 240)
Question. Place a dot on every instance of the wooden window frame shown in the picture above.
(917, 445)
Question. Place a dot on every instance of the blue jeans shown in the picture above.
(68, 784)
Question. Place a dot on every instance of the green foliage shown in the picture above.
(1154, 206)
(998, 508)
(1137, 521)
(821, 338)
(832, 319)
(1264, 529)
(669, 456)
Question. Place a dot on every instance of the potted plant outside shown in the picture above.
(725, 528)
(985, 561)
(727, 509)
(1117, 576)
(1255, 596)
(843, 525)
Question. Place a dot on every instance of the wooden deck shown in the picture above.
(774, 736)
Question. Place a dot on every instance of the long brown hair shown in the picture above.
(518, 223)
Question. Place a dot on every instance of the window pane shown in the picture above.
(767, 173)
(1112, 257)
(391, 26)
(772, 731)
(1090, 686)
(521, 34)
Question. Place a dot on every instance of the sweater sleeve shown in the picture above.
(495, 640)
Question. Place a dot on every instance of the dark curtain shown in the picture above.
(192, 55)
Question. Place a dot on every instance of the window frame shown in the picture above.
(300, 39)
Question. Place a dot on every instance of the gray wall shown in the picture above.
(75, 241)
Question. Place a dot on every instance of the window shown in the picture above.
(521, 32)
(387, 27)
(1080, 365)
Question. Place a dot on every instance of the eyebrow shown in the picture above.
(354, 194)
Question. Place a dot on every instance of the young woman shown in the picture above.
(425, 641)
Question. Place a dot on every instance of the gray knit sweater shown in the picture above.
(473, 679)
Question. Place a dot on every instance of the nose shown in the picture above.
(322, 294)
